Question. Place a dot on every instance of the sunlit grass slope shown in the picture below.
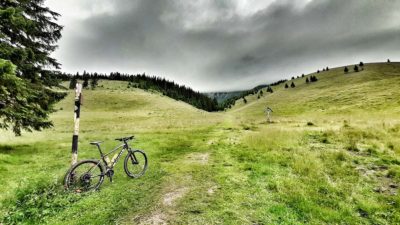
(370, 92)
(330, 156)
(164, 128)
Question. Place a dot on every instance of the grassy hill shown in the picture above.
(330, 156)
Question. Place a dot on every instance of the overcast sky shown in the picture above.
(224, 44)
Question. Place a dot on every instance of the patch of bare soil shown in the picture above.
(200, 158)
(171, 197)
(157, 218)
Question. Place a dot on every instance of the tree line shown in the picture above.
(145, 82)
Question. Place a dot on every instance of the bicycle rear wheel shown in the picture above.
(84, 176)
(135, 164)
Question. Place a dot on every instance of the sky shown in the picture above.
(224, 45)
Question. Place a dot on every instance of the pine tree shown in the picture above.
(286, 86)
(292, 85)
(361, 64)
(346, 70)
(327, 69)
(313, 79)
(317, 71)
(85, 83)
(28, 34)
(356, 68)
(244, 100)
(388, 60)
(94, 82)
(307, 81)
(72, 83)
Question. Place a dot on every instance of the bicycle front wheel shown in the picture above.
(135, 164)
(84, 176)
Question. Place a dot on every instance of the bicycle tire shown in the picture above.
(78, 182)
(138, 159)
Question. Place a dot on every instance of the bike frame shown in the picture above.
(123, 147)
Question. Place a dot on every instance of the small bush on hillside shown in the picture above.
(310, 124)
(286, 86)
(356, 68)
(307, 81)
(313, 79)
(346, 70)
(361, 64)
(317, 71)
(292, 85)
(340, 156)
(352, 145)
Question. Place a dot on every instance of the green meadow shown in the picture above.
(331, 155)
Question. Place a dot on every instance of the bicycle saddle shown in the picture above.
(95, 142)
(125, 138)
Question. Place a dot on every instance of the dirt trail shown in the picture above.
(176, 188)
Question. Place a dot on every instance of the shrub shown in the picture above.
(37, 201)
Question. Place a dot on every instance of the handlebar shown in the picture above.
(125, 138)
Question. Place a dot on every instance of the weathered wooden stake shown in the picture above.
(77, 111)
(268, 110)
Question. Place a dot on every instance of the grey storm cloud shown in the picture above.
(225, 45)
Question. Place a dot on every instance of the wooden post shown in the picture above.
(77, 111)
(268, 110)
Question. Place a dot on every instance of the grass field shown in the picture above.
(330, 156)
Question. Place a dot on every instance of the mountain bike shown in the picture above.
(89, 174)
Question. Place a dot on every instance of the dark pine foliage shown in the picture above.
(286, 86)
(361, 64)
(292, 85)
(346, 70)
(72, 83)
(313, 79)
(307, 81)
(28, 36)
(356, 68)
